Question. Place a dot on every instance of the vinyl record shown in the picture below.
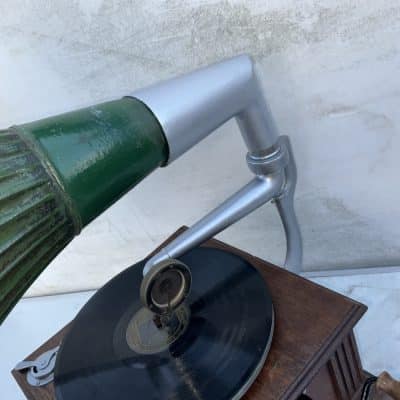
(214, 348)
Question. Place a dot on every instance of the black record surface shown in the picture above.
(228, 335)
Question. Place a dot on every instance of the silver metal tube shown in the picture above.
(256, 193)
(192, 106)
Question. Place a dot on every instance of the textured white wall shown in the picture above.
(330, 71)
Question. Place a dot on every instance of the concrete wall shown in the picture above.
(330, 71)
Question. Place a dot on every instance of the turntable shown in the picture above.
(189, 322)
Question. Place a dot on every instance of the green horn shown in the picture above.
(58, 174)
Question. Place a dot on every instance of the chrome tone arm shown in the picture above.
(189, 108)
(257, 192)
(277, 184)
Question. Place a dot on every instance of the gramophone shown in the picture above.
(188, 320)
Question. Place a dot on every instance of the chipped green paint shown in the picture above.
(58, 174)
(99, 153)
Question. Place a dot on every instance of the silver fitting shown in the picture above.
(275, 161)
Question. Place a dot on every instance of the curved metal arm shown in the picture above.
(257, 192)
(278, 185)
(189, 108)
